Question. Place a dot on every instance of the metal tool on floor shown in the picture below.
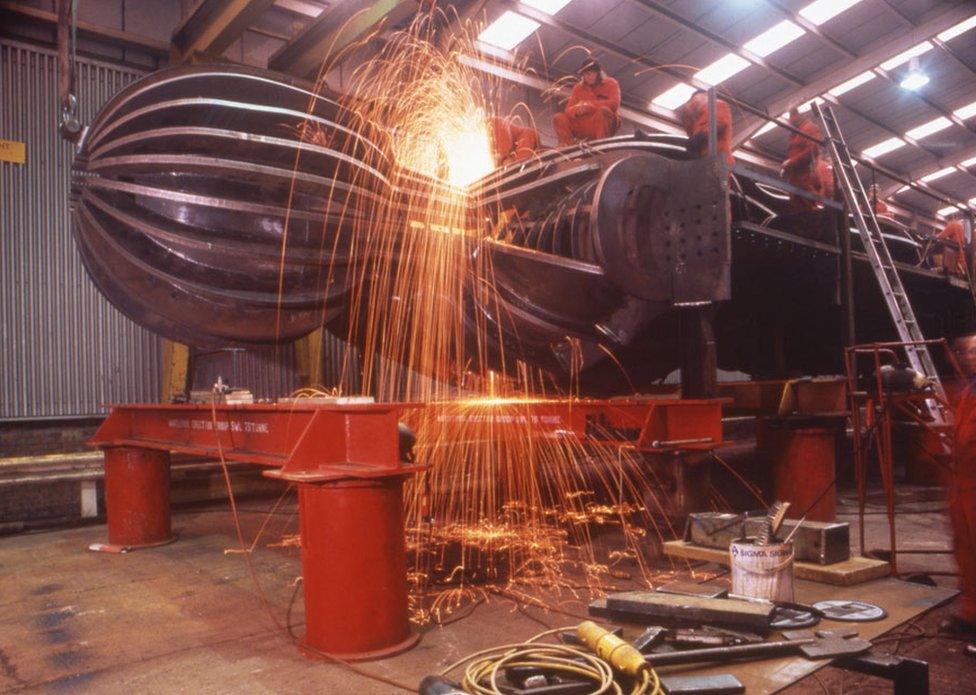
(850, 611)
(824, 644)
(437, 685)
(720, 684)
(652, 607)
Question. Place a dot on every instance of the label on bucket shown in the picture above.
(757, 551)
(762, 571)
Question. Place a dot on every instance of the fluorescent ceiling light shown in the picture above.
(674, 97)
(944, 212)
(961, 28)
(904, 57)
(547, 6)
(968, 163)
(883, 147)
(822, 10)
(722, 69)
(806, 106)
(852, 83)
(936, 175)
(774, 39)
(926, 129)
(903, 189)
(967, 111)
(508, 31)
(914, 81)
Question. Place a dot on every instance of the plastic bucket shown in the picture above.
(762, 571)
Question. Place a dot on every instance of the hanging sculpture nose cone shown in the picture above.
(202, 213)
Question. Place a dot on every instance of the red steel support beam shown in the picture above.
(347, 462)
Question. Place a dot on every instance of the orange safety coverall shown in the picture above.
(591, 112)
(693, 115)
(880, 207)
(954, 258)
(511, 142)
(825, 177)
(962, 502)
(801, 163)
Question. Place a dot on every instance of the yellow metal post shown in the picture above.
(308, 358)
(176, 369)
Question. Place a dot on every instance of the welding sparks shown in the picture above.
(512, 497)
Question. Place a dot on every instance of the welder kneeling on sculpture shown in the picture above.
(593, 109)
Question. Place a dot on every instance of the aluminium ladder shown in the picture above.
(892, 289)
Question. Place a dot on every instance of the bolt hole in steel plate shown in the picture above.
(850, 611)
(649, 232)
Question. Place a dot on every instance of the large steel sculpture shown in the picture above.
(218, 205)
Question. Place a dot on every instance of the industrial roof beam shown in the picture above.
(679, 20)
(549, 20)
(604, 45)
(853, 68)
(814, 30)
(955, 159)
(213, 25)
(333, 31)
(96, 32)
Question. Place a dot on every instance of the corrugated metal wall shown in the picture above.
(64, 350)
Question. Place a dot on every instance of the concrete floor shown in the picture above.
(185, 617)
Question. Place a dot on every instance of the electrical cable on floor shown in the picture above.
(484, 666)
(286, 629)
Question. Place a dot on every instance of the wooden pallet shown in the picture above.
(857, 570)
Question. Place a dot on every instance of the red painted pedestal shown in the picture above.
(137, 497)
(354, 568)
(804, 463)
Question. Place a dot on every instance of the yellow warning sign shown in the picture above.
(13, 151)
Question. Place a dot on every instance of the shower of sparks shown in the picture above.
(509, 500)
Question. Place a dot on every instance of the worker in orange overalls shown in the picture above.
(954, 259)
(800, 166)
(880, 207)
(962, 493)
(593, 109)
(511, 142)
(825, 177)
(693, 116)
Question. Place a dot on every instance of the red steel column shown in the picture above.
(137, 496)
(804, 463)
(354, 567)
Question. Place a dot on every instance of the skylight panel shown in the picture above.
(774, 39)
(936, 175)
(823, 10)
(722, 69)
(926, 129)
(961, 28)
(807, 105)
(765, 129)
(883, 147)
(508, 31)
(967, 111)
(853, 83)
(674, 97)
(905, 56)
